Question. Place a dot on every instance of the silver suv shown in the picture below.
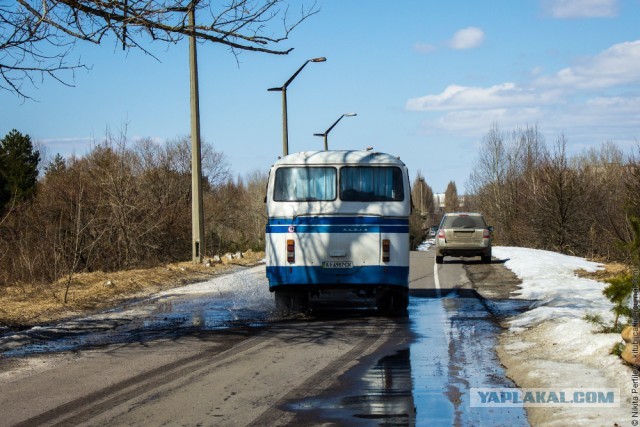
(464, 234)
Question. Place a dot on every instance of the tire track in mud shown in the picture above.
(83, 409)
(364, 337)
(324, 378)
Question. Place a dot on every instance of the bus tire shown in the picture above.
(392, 302)
(289, 303)
(401, 301)
(384, 301)
(283, 303)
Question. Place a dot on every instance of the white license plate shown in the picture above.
(337, 264)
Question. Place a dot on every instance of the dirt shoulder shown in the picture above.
(493, 281)
(23, 306)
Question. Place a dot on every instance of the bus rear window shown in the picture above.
(371, 184)
(299, 184)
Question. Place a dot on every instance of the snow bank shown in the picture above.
(552, 346)
(549, 280)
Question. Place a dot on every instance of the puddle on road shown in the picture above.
(385, 398)
(429, 383)
(455, 352)
(239, 299)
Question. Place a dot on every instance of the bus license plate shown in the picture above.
(337, 264)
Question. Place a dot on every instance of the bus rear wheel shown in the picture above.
(289, 303)
(393, 302)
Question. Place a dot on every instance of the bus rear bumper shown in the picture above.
(314, 277)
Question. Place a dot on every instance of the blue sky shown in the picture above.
(426, 79)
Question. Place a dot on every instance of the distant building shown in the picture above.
(438, 203)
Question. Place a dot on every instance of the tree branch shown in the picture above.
(33, 28)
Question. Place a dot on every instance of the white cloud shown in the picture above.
(563, 9)
(591, 102)
(618, 65)
(467, 38)
(474, 123)
(456, 97)
(424, 48)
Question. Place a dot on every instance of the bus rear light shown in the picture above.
(386, 250)
(291, 251)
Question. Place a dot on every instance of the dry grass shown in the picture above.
(611, 270)
(26, 305)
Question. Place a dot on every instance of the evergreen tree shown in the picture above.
(451, 202)
(57, 165)
(18, 167)
(621, 289)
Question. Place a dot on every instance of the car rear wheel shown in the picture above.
(439, 259)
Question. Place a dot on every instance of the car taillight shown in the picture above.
(441, 234)
(386, 250)
(291, 251)
(486, 234)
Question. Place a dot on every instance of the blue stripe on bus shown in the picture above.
(337, 225)
(342, 220)
(315, 275)
(338, 229)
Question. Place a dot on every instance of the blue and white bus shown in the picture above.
(338, 221)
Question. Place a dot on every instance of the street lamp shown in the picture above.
(283, 89)
(324, 135)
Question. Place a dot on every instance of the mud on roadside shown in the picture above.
(497, 286)
(25, 305)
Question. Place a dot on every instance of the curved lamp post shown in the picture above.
(324, 135)
(283, 89)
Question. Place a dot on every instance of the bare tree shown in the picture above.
(505, 179)
(559, 205)
(74, 245)
(423, 210)
(632, 182)
(422, 195)
(256, 187)
(215, 167)
(37, 36)
(487, 180)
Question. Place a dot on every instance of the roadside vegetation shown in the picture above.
(124, 207)
(117, 208)
(538, 196)
(585, 205)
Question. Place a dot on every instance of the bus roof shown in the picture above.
(338, 157)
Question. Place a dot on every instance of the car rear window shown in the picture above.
(464, 221)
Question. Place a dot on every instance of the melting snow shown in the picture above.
(552, 345)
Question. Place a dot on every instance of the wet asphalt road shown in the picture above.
(224, 360)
